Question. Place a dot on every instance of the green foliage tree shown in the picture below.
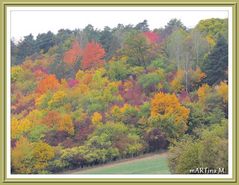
(25, 48)
(63, 35)
(199, 47)
(142, 26)
(208, 110)
(116, 135)
(14, 53)
(37, 133)
(214, 27)
(150, 81)
(44, 41)
(117, 70)
(207, 151)
(106, 39)
(172, 25)
(137, 49)
(174, 47)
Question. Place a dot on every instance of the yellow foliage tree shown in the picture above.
(198, 75)
(84, 77)
(125, 107)
(14, 128)
(29, 158)
(177, 82)
(42, 100)
(222, 90)
(96, 118)
(87, 78)
(127, 85)
(18, 127)
(16, 71)
(79, 75)
(25, 125)
(202, 92)
(21, 156)
(57, 98)
(66, 124)
(81, 89)
(116, 112)
(63, 84)
(35, 116)
(210, 40)
(42, 153)
(123, 113)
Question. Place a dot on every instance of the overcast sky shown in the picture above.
(25, 20)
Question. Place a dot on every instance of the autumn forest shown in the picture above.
(87, 97)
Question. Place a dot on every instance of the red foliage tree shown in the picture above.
(83, 129)
(72, 54)
(152, 37)
(92, 56)
(39, 74)
(132, 95)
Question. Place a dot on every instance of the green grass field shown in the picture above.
(149, 164)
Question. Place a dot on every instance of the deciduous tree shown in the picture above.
(50, 82)
(93, 56)
(73, 54)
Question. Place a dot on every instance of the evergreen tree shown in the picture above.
(25, 48)
(215, 65)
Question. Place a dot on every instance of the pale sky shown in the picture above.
(24, 21)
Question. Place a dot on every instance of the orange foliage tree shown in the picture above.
(59, 122)
(72, 54)
(50, 82)
(92, 56)
(52, 119)
(166, 105)
(203, 92)
(66, 124)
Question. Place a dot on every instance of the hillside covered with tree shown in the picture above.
(85, 97)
